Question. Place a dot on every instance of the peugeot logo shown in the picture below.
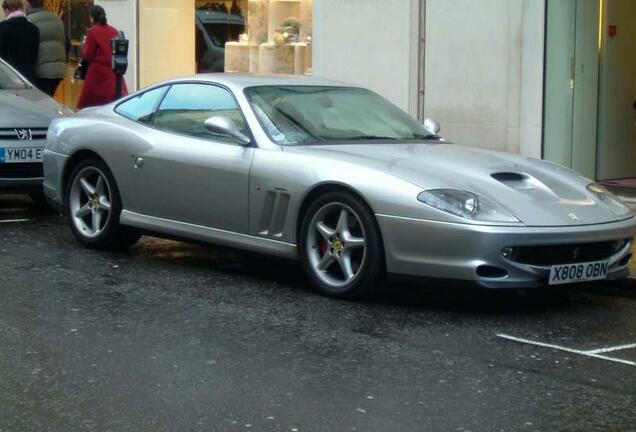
(23, 134)
(574, 217)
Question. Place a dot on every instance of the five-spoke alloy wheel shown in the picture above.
(90, 201)
(340, 246)
(93, 207)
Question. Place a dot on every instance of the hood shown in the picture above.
(537, 192)
(28, 108)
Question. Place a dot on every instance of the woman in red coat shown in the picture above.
(100, 82)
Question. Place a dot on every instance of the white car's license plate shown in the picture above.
(569, 273)
(20, 154)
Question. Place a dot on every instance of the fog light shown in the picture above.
(507, 252)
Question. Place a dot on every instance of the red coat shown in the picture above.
(99, 85)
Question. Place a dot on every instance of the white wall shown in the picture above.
(372, 43)
(484, 72)
(122, 14)
(166, 40)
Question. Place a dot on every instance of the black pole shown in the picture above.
(118, 85)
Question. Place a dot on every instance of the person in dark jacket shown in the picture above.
(51, 65)
(19, 39)
(99, 85)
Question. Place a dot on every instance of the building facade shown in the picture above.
(543, 78)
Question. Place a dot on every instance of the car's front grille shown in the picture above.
(21, 170)
(564, 254)
(22, 134)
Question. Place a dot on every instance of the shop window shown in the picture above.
(254, 36)
(74, 14)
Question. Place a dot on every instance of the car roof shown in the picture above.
(242, 81)
(215, 17)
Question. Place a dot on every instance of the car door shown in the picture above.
(189, 174)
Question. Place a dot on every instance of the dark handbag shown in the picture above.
(81, 69)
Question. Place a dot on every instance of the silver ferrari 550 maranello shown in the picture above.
(333, 175)
(25, 114)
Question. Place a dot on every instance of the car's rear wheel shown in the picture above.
(340, 246)
(93, 206)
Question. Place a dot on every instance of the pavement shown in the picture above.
(172, 336)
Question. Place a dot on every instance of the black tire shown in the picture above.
(113, 236)
(371, 268)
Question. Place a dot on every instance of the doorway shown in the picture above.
(590, 87)
(74, 14)
(617, 93)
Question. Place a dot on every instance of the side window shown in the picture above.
(187, 106)
(142, 107)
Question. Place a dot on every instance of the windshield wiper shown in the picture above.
(368, 137)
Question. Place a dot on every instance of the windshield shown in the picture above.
(9, 80)
(297, 115)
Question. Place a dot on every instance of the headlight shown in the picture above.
(612, 201)
(466, 205)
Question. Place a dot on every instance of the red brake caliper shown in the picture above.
(323, 247)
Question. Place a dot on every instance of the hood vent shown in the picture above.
(526, 184)
(506, 177)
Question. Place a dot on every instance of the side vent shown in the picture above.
(274, 215)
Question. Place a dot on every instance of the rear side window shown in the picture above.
(142, 107)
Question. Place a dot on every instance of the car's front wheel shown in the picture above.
(93, 206)
(340, 246)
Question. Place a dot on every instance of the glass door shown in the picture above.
(571, 84)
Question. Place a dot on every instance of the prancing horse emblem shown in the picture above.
(24, 134)
(574, 217)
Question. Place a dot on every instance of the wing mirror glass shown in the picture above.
(225, 126)
(432, 126)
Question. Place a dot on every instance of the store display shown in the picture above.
(278, 39)
(257, 21)
(306, 20)
(235, 9)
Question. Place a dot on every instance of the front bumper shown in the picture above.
(54, 164)
(21, 177)
(20, 185)
(441, 250)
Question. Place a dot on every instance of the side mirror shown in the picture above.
(432, 126)
(222, 125)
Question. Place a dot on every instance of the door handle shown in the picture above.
(139, 162)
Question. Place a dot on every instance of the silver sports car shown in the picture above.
(25, 114)
(333, 175)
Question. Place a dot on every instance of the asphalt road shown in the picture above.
(178, 337)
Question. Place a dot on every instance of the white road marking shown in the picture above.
(610, 349)
(14, 220)
(570, 350)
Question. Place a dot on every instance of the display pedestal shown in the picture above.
(238, 57)
(276, 59)
(302, 59)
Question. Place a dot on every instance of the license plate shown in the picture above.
(20, 154)
(569, 273)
